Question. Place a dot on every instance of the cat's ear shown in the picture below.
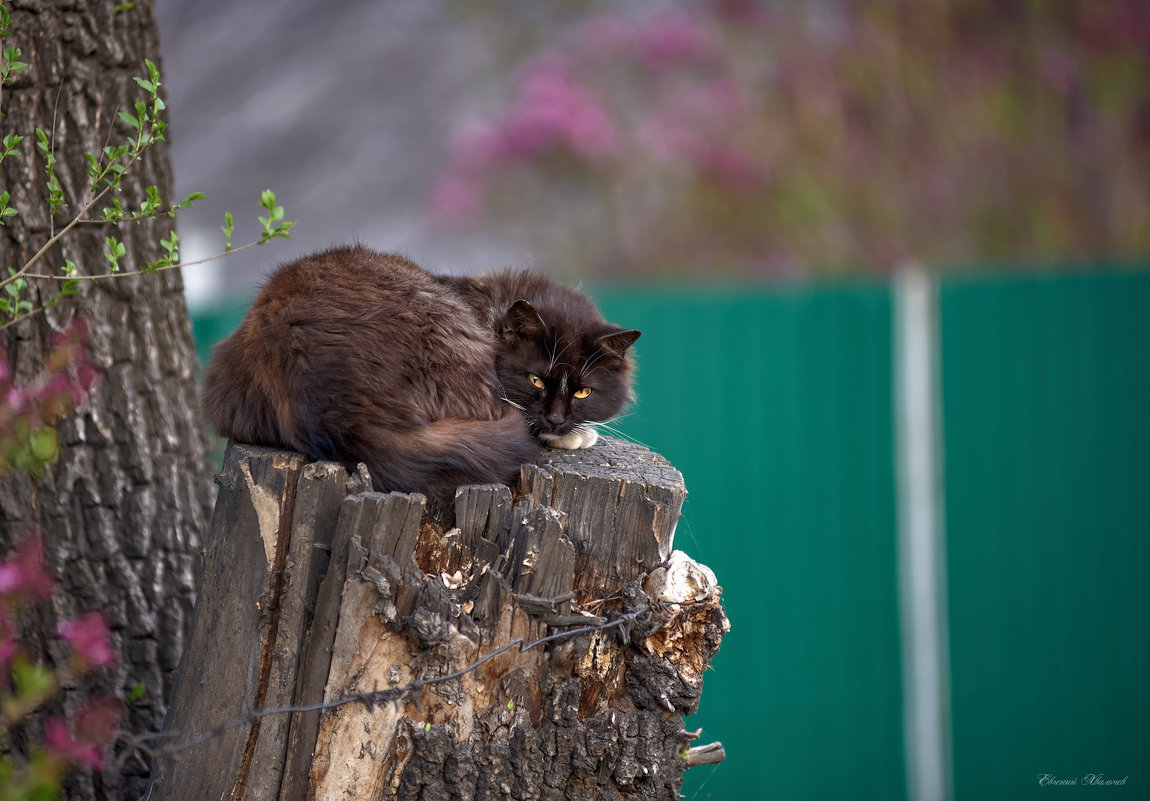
(617, 342)
(522, 320)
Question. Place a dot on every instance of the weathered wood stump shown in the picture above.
(316, 590)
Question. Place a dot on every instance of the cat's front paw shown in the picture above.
(573, 440)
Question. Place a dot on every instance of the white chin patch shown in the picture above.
(573, 440)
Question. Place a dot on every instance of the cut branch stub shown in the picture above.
(456, 621)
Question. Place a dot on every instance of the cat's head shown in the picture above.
(563, 373)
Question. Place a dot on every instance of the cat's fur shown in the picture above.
(354, 355)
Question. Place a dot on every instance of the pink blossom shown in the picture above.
(89, 637)
(60, 741)
(23, 574)
(673, 36)
(76, 329)
(95, 729)
(15, 398)
(96, 723)
(86, 375)
(59, 385)
(554, 109)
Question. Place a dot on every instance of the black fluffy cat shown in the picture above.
(432, 381)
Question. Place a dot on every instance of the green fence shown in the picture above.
(1046, 388)
(778, 407)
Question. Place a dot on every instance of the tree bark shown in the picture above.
(123, 510)
(315, 591)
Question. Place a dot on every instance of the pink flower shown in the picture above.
(96, 723)
(89, 637)
(86, 375)
(672, 36)
(59, 741)
(23, 574)
(554, 109)
(15, 398)
(95, 729)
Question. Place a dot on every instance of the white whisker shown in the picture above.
(590, 364)
(621, 435)
(556, 356)
(513, 403)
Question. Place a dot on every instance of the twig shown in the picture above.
(148, 271)
(39, 309)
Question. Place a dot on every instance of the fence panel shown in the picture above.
(1046, 401)
(777, 408)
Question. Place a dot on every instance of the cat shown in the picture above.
(353, 355)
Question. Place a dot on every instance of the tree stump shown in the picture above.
(425, 617)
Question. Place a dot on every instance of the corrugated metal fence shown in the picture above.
(780, 407)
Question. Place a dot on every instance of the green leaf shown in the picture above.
(150, 205)
(10, 142)
(114, 252)
(122, 7)
(171, 245)
(34, 683)
(5, 209)
(136, 693)
(45, 443)
(11, 62)
(115, 212)
(131, 119)
(228, 228)
(147, 86)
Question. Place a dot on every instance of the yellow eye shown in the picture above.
(536, 380)
(582, 392)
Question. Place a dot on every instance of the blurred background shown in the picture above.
(892, 266)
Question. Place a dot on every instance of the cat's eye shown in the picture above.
(582, 392)
(536, 380)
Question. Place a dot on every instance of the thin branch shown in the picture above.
(39, 309)
(75, 221)
(52, 143)
(55, 238)
(149, 271)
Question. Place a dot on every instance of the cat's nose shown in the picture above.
(555, 416)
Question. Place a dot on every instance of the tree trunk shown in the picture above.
(124, 509)
(420, 626)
